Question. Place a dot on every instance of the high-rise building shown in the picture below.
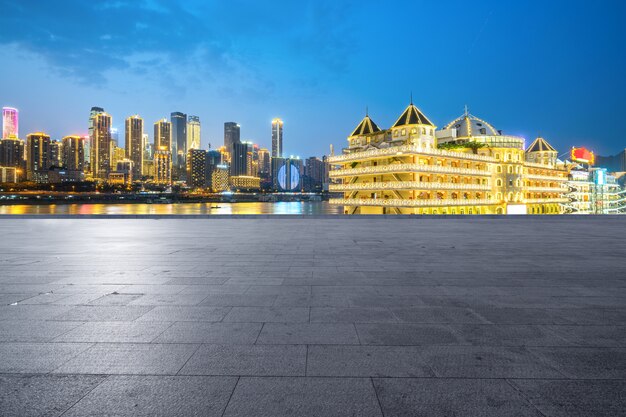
(240, 158)
(163, 136)
(73, 153)
(232, 135)
(117, 154)
(100, 141)
(313, 174)
(56, 153)
(12, 153)
(286, 174)
(264, 163)
(163, 167)
(197, 168)
(277, 138)
(38, 152)
(193, 132)
(179, 144)
(213, 160)
(219, 179)
(10, 123)
(135, 144)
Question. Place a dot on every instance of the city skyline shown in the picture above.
(516, 65)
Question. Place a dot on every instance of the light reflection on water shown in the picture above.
(295, 208)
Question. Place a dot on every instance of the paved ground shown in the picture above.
(313, 317)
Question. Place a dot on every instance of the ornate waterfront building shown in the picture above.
(468, 167)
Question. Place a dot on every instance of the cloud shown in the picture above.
(239, 42)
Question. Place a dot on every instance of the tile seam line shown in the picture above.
(230, 397)
(86, 394)
(522, 395)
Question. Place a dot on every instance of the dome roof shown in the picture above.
(469, 125)
(366, 127)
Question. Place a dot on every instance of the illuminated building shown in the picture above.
(12, 153)
(264, 162)
(163, 152)
(100, 139)
(56, 153)
(37, 154)
(117, 154)
(313, 175)
(197, 168)
(239, 163)
(594, 191)
(286, 174)
(232, 135)
(73, 153)
(277, 138)
(123, 173)
(163, 135)
(163, 166)
(8, 175)
(193, 132)
(213, 160)
(59, 175)
(10, 123)
(219, 179)
(245, 183)
(148, 168)
(469, 167)
(134, 144)
(179, 144)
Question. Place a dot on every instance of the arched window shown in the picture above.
(499, 182)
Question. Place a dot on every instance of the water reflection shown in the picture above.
(295, 208)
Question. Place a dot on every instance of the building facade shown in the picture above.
(179, 144)
(100, 142)
(277, 138)
(134, 144)
(467, 168)
(197, 168)
(10, 123)
(37, 157)
(193, 133)
(232, 135)
(163, 167)
(73, 153)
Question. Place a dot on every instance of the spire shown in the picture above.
(411, 97)
(412, 116)
(367, 113)
(466, 111)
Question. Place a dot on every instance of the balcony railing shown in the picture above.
(407, 149)
(408, 185)
(545, 177)
(546, 200)
(410, 203)
(547, 189)
(398, 168)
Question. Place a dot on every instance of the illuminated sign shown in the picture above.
(583, 155)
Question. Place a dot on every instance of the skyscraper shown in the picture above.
(179, 144)
(12, 155)
(163, 152)
(264, 163)
(10, 123)
(37, 164)
(193, 133)
(73, 153)
(232, 135)
(100, 138)
(239, 159)
(313, 174)
(55, 153)
(163, 136)
(277, 138)
(134, 144)
(196, 168)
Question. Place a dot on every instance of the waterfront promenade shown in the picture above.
(313, 316)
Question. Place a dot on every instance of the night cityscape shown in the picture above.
(312, 209)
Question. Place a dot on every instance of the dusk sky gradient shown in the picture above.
(555, 68)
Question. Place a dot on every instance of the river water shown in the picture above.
(295, 208)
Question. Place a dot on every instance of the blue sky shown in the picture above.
(555, 68)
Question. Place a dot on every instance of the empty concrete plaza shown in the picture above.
(305, 316)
